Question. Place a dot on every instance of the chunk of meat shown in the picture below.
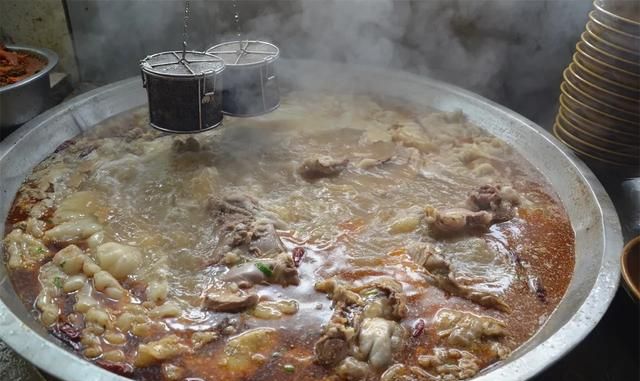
(439, 273)
(334, 345)
(484, 198)
(340, 334)
(238, 354)
(278, 270)
(105, 282)
(275, 310)
(324, 166)
(236, 204)
(265, 239)
(499, 201)
(78, 205)
(157, 351)
(242, 226)
(24, 250)
(245, 276)
(456, 220)
(401, 372)
(377, 304)
(351, 369)
(338, 292)
(485, 206)
(228, 301)
(412, 135)
(450, 364)
(73, 231)
(251, 238)
(190, 144)
(119, 260)
(284, 271)
(467, 330)
(378, 340)
(368, 163)
(389, 303)
(468, 333)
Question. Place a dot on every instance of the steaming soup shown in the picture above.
(337, 238)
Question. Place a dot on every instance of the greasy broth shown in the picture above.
(156, 200)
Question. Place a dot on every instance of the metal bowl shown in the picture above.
(586, 153)
(603, 95)
(616, 37)
(595, 115)
(617, 16)
(592, 215)
(599, 41)
(613, 149)
(21, 101)
(607, 58)
(618, 76)
(597, 132)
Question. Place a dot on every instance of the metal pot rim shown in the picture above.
(578, 318)
(49, 55)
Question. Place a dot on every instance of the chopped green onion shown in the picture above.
(39, 250)
(264, 268)
(57, 281)
(62, 263)
(289, 368)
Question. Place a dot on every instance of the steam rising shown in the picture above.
(511, 51)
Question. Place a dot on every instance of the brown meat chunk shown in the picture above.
(485, 206)
(351, 369)
(364, 320)
(499, 201)
(463, 333)
(450, 364)
(439, 273)
(333, 346)
(465, 329)
(324, 166)
(401, 372)
(485, 198)
(338, 292)
(190, 144)
(281, 270)
(456, 220)
(390, 304)
(378, 340)
(226, 301)
(241, 225)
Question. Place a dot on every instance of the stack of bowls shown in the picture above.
(599, 114)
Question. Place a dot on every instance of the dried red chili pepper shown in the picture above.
(68, 334)
(297, 254)
(418, 328)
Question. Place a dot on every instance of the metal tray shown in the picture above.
(594, 220)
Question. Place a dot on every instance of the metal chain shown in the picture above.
(184, 31)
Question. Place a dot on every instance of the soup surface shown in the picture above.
(337, 238)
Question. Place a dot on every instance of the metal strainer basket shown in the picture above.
(184, 90)
(251, 83)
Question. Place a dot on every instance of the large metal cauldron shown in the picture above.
(598, 237)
